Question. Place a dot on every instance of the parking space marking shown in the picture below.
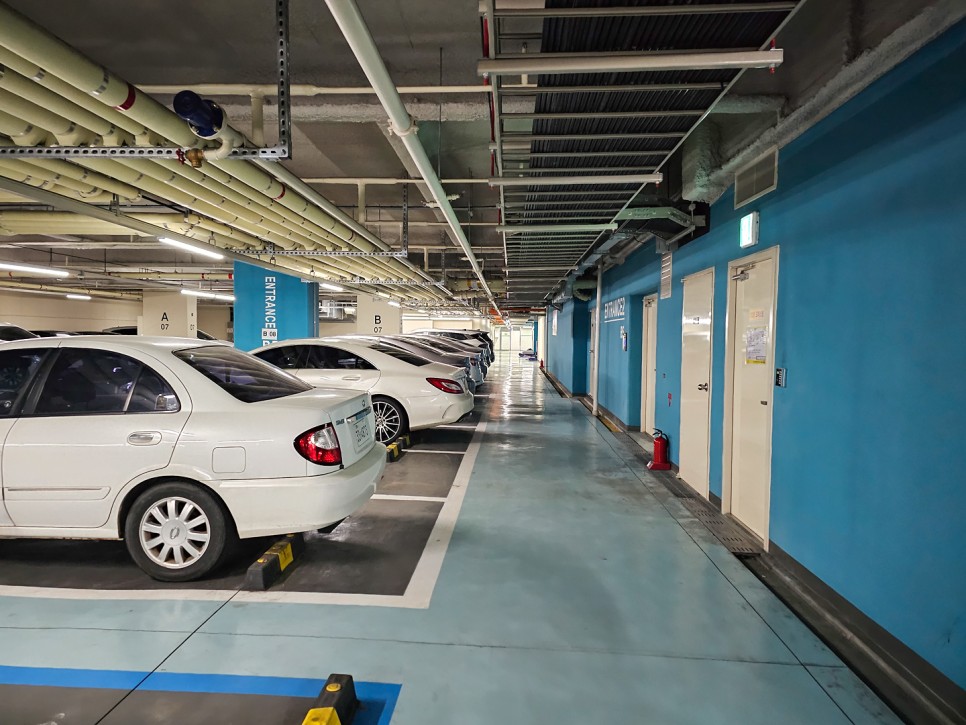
(401, 497)
(419, 593)
(457, 427)
(423, 581)
(423, 450)
(197, 595)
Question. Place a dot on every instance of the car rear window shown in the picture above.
(243, 376)
(400, 354)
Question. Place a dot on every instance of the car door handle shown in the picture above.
(352, 377)
(703, 386)
(144, 438)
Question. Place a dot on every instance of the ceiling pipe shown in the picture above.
(96, 90)
(353, 26)
(129, 222)
(303, 90)
(660, 61)
(29, 287)
(555, 228)
(376, 181)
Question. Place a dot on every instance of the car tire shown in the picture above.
(391, 421)
(177, 532)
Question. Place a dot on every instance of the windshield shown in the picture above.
(12, 332)
(400, 354)
(243, 376)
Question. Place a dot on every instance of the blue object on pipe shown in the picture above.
(204, 116)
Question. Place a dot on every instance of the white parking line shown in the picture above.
(424, 450)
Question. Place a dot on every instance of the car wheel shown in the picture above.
(177, 532)
(390, 420)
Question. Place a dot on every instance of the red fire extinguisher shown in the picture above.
(659, 461)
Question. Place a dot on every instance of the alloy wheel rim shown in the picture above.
(175, 532)
(388, 421)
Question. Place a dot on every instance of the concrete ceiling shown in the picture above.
(423, 43)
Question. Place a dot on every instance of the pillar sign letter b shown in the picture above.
(378, 320)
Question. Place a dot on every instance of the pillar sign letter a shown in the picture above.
(164, 317)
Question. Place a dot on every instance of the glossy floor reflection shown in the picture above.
(568, 594)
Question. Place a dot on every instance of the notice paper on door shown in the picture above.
(756, 342)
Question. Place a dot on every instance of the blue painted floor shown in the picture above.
(569, 594)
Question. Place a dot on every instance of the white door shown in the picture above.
(17, 371)
(102, 420)
(649, 364)
(753, 366)
(696, 379)
(526, 338)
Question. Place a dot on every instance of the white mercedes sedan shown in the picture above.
(177, 446)
(408, 392)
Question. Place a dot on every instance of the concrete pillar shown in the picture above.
(271, 306)
(374, 315)
(169, 314)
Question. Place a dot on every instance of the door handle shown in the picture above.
(144, 438)
(703, 386)
(352, 377)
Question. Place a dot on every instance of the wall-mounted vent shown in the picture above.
(665, 275)
(757, 178)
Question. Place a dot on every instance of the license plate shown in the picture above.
(360, 434)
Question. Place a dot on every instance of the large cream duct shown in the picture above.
(107, 133)
(192, 225)
(62, 89)
(21, 132)
(59, 290)
(33, 48)
(68, 174)
(64, 130)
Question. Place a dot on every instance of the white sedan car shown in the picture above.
(177, 446)
(408, 392)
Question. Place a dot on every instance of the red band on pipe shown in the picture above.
(276, 198)
(129, 101)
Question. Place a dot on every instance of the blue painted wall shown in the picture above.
(567, 350)
(267, 301)
(868, 464)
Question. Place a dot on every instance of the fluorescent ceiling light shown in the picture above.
(394, 303)
(332, 287)
(191, 248)
(208, 295)
(30, 269)
(383, 294)
(73, 296)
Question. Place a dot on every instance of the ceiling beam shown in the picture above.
(577, 180)
(602, 114)
(533, 90)
(542, 63)
(644, 10)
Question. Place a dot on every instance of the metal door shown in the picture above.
(752, 388)
(649, 364)
(696, 327)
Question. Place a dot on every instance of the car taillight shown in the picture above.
(447, 386)
(320, 445)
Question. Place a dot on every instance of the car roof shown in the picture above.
(143, 344)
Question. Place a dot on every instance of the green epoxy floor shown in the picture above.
(569, 594)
